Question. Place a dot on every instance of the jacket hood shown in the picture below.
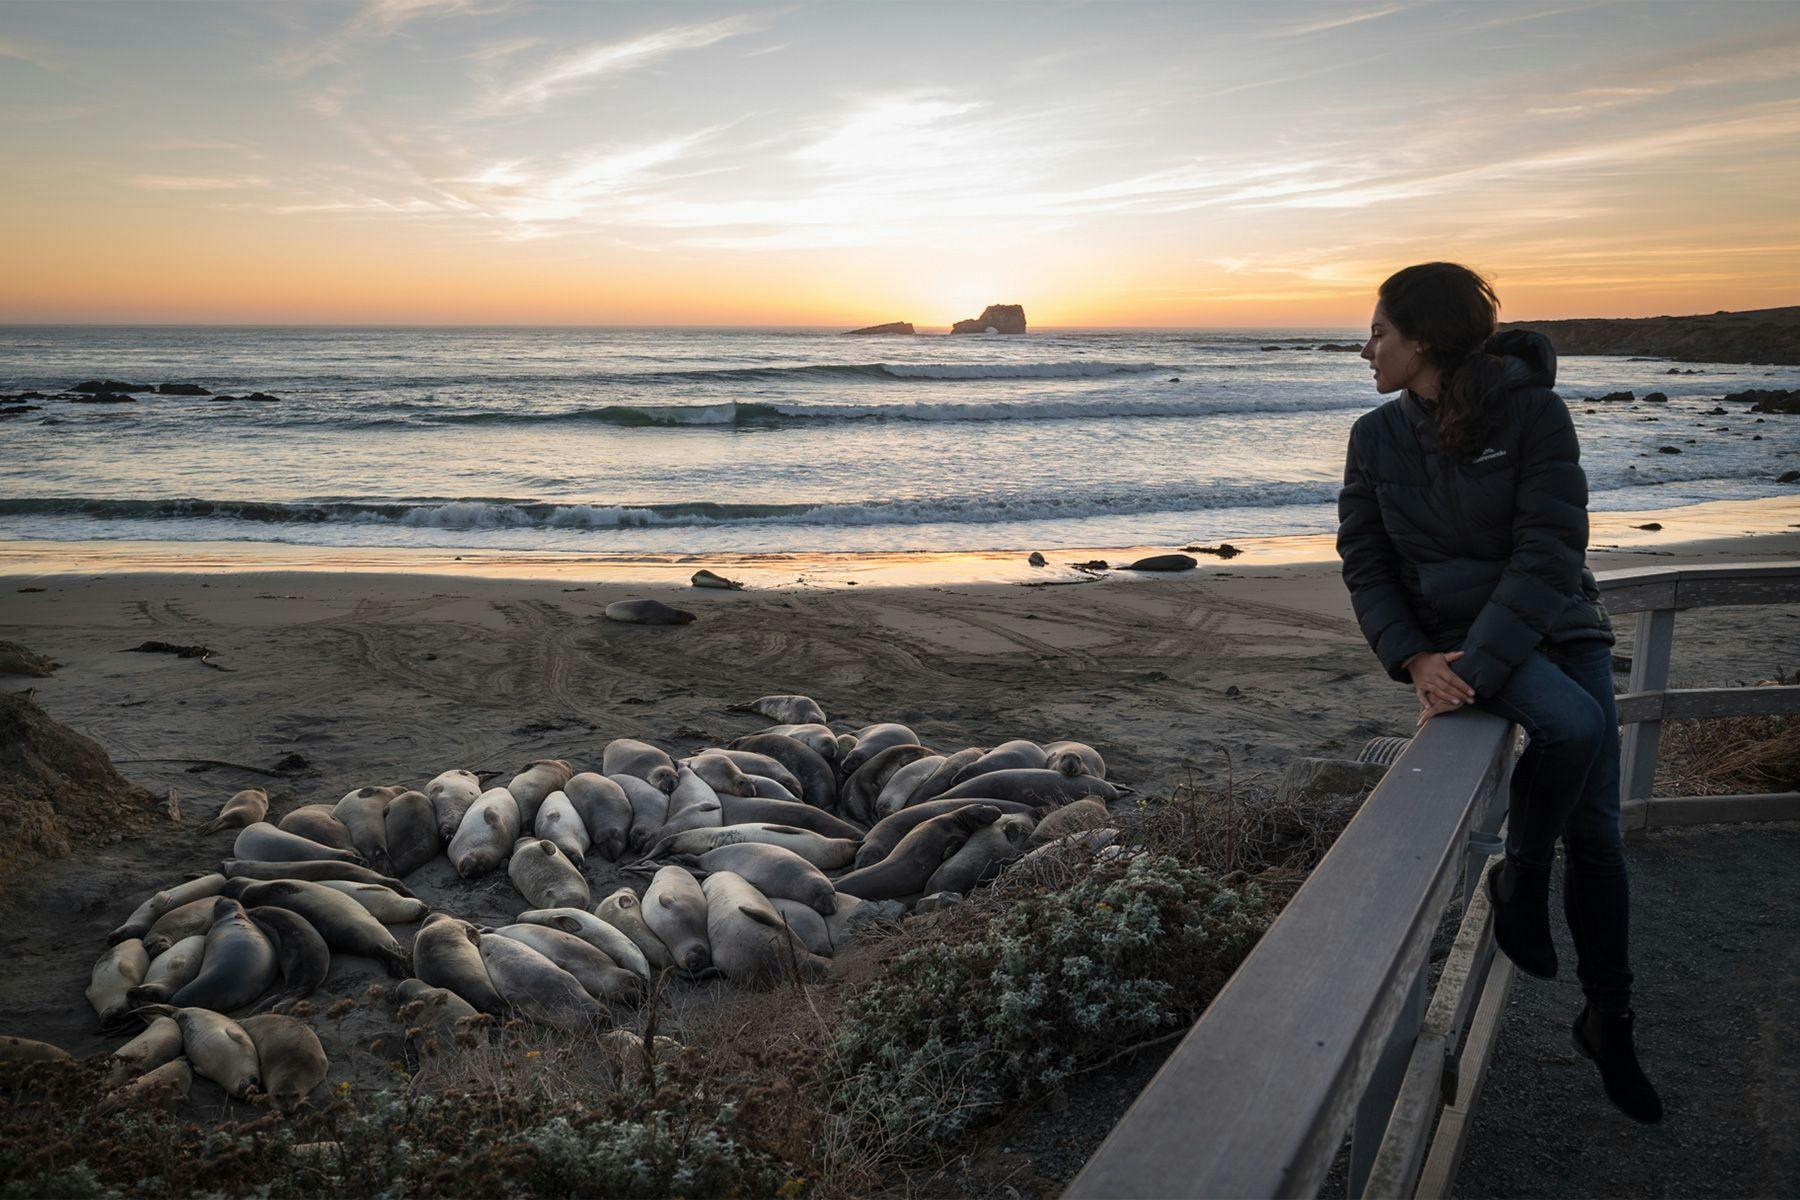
(1528, 356)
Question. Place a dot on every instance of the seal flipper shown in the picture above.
(762, 918)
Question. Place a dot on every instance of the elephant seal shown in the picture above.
(265, 843)
(982, 855)
(693, 805)
(647, 612)
(238, 967)
(739, 810)
(159, 1043)
(774, 871)
(1007, 756)
(558, 822)
(384, 904)
(160, 1087)
(872, 740)
(750, 942)
(752, 764)
(427, 1010)
(288, 1056)
(623, 912)
(857, 796)
(939, 781)
(1042, 788)
(531, 786)
(538, 988)
(545, 876)
(628, 756)
(920, 853)
(605, 813)
(817, 779)
(302, 959)
(1070, 818)
(18, 1051)
(194, 917)
(887, 832)
(598, 974)
(485, 838)
(805, 924)
(674, 908)
(145, 915)
(217, 1046)
(345, 925)
(446, 954)
(315, 823)
(244, 808)
(316, 872)
(649, 808)
(119, 970)
(410, 825)
(720, 773)
(788, 709)
(901, 785)
(769, 789)
(1074, 758)
(827, 854)
(608, 939)
(362, 812)
(451, 794)
(816, 736)
(169, 972)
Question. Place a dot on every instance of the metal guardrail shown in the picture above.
(1324, 1028)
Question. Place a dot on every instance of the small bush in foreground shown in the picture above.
(55, 1141)
(1020, 993)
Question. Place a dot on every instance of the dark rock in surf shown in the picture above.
(901, 327)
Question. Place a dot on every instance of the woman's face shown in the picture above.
(1397, 360)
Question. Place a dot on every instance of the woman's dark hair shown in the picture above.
(1452, 310)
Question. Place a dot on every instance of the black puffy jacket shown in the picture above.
(1489, 556)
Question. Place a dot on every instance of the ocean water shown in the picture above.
(677, 440)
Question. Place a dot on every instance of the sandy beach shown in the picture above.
(376, 676)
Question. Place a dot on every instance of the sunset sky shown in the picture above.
(477, 161)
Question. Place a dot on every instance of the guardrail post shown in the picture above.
(1640, 741)
(1377, 1102)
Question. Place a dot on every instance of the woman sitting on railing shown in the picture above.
(1463, 530)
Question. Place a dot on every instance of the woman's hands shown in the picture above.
(1440, 690)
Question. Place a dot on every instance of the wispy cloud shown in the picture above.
(197, 183)
(377, 20)
(589, 66)
(1334, 22)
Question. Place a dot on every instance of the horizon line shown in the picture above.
(753, 326)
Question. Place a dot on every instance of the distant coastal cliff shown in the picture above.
(1769, 336)
(1001, 318)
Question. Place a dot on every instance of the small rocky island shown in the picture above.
(890, 327)
(1001, 318)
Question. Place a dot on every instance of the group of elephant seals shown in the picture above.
(346, 926)
(910, 865)
(446, 954)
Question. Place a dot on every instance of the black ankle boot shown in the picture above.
(1521, 903)
(1606, 1038)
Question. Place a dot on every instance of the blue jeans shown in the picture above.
(1567, 783)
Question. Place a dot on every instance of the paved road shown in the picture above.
(1716, 953)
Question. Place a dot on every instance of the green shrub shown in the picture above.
(1030, 990)
(55, 1141)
